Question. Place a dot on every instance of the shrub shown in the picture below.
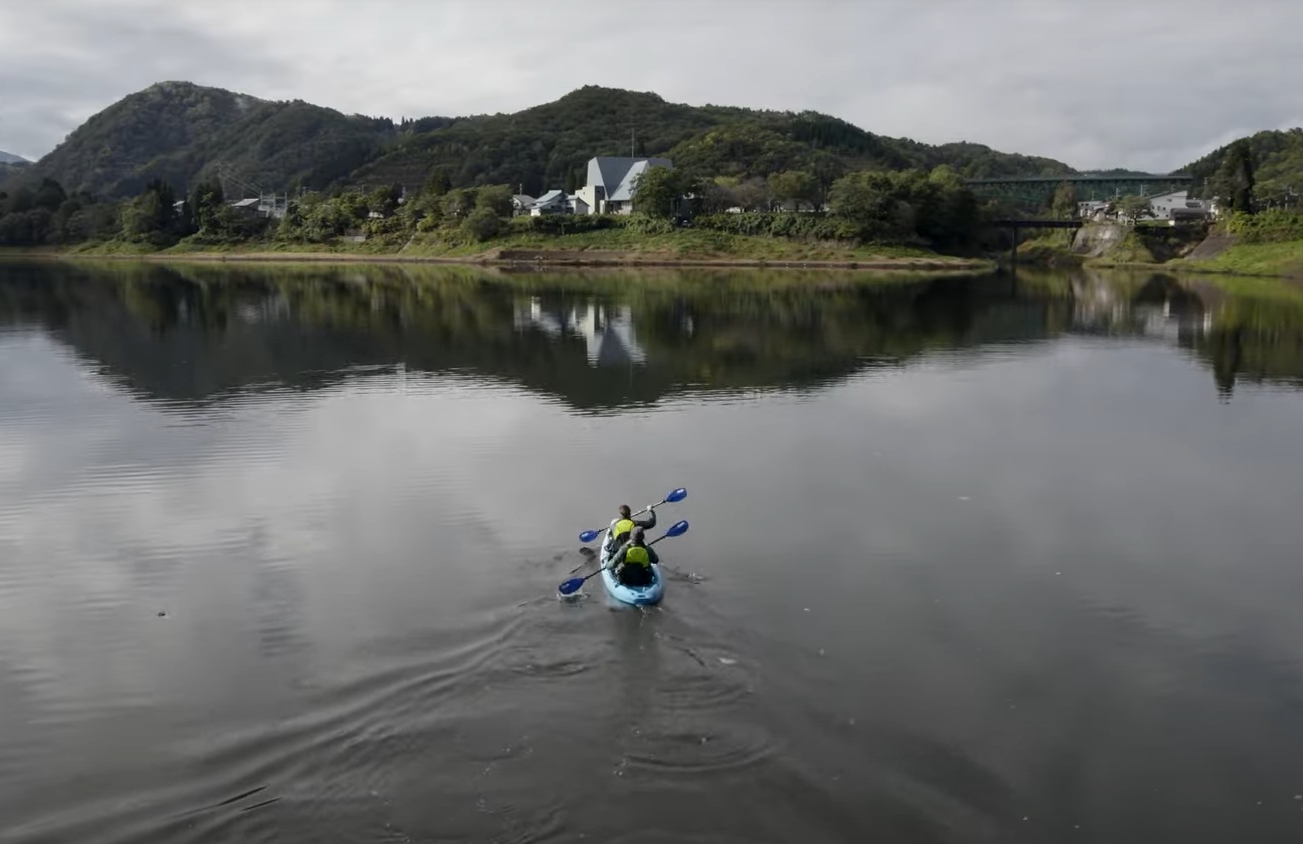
(797, 226)
(1272, 226)
(557, 224)
(644, 224)
(482, 224)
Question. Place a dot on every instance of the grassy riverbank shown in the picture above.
(607, 247)
(1159, 248)
(1278, 260)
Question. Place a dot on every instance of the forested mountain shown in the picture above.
(547, 146)
(10, 158)
(180, 133)
(1276, 165)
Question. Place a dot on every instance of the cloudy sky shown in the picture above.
(1097, 84)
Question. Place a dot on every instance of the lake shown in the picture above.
(970, 560)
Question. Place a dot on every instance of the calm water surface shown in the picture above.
(970, 561)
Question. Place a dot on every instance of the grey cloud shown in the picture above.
(1100, 84)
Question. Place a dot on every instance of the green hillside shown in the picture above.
(547, 146)
(178, 132)
(1277, 159)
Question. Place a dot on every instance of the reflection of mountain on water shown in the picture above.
(595, 342)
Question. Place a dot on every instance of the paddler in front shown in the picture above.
(633, 562)
(626, 524)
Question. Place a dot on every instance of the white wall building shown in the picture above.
(612, 182)
(558, 202)
(1178, 206)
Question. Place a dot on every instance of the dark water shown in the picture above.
(970, 561)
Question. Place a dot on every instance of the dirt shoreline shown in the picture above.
(518, 258)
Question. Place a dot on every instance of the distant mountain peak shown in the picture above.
(10, 158)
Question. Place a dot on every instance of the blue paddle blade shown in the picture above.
(589, 535)
(571, 586)
(677, 495)
(678, 528)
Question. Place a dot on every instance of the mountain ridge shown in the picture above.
(181, 132)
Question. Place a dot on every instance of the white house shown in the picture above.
(558, 202)
(612, 182)
(1178, 206)
(1172, 207)
(1094, 209)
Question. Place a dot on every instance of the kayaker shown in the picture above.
(626, 524)
(633, 562)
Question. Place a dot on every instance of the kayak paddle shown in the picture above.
(674, 497)
(572, 585)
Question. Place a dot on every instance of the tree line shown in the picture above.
(926, 208)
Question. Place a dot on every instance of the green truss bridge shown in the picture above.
(1039, 190)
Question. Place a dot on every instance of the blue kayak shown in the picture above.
(638, 596)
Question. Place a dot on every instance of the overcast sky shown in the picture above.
(1103, 83)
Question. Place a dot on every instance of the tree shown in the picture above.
(20, 201)
(482, 224)
(948, 215)
(827, 169)
(204, 207)
(1242, 162)
(752, 194)
(15, 230)
(496, 198)
(79, 227)
(657, 190)
(1064, 205)
(152, 215)
(1134, 207)
(439, 183)
(384, 199)
(870, 202)
(50, 195)
(796, 187)
(62, 231)
(1233, 182)
(459, 202)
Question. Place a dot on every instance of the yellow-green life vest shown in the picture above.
(636, 555)
(624, 527)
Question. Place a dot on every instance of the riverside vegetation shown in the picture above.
(113, 186)
(894, 214)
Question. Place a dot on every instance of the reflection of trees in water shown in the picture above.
(1242, 331)
(598, 340)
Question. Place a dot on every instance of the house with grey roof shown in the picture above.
(520, 203)
(558, 202)
(612, 182)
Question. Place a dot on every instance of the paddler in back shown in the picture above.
(633, 562)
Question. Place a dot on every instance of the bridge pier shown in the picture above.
(1016, 227)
